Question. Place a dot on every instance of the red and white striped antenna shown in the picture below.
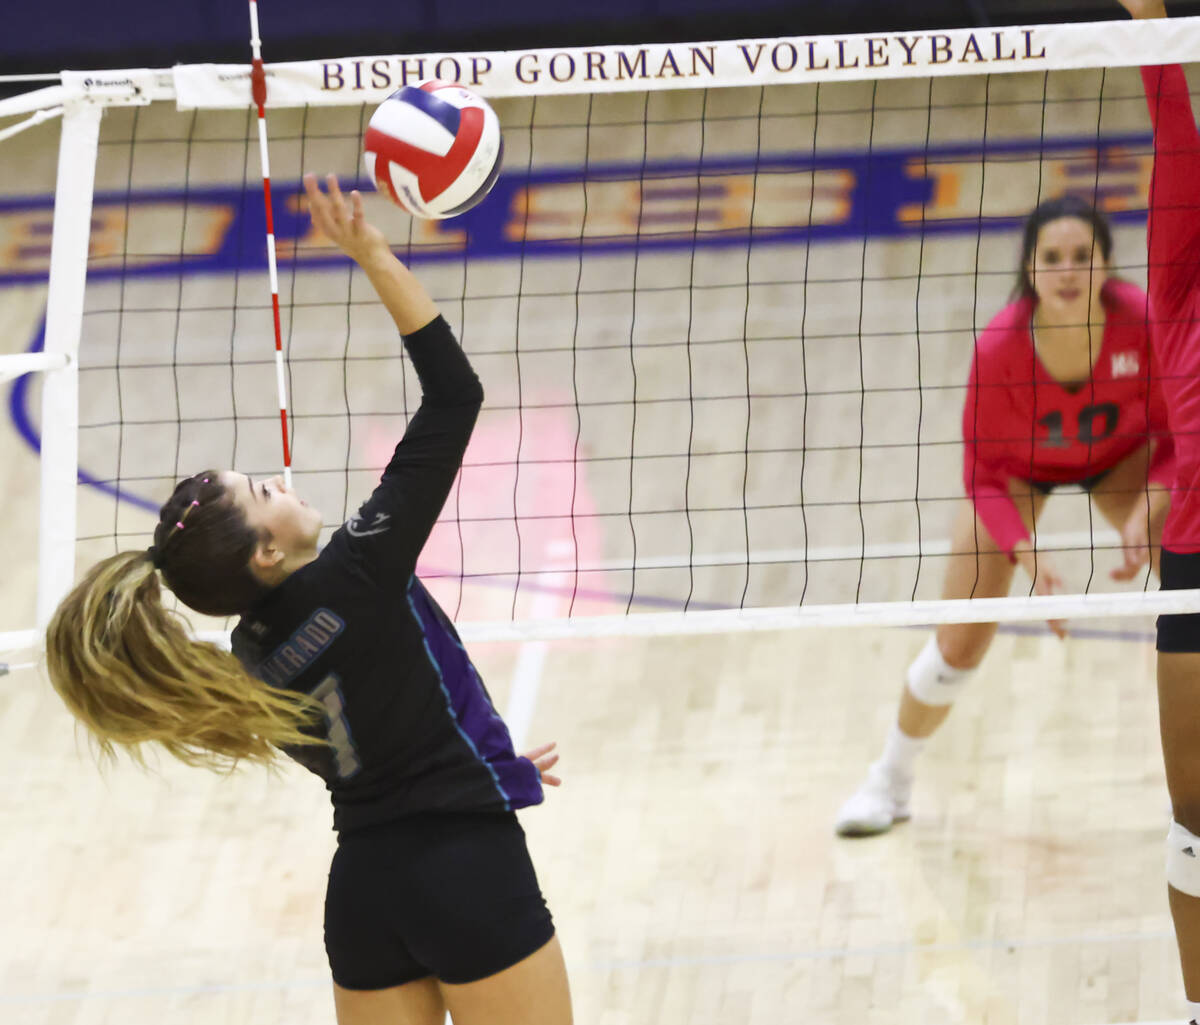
(258, 89)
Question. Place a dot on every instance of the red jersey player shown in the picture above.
(1061, 391)
(1023, 423)
(1173, 259)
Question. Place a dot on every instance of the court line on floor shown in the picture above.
(1092, 633)
(527, 673)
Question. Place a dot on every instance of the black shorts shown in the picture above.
(454, 896)
(1179, 571)
(1086, 483)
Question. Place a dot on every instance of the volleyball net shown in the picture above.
(723, 300)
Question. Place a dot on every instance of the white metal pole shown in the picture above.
(18, 363)
(64, 322)
(18, 640)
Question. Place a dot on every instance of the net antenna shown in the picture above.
(258, 88)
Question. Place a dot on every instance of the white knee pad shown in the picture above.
(932, 680)
(1183, 860)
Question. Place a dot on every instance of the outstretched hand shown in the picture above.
(343, 223)
(1145, 8)
(1045, 578)
(544, 758)
(1135, 545)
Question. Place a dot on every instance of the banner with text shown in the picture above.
(786, 60)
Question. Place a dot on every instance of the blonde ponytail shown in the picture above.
(126, 667)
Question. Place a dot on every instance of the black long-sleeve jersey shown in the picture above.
(409, 724)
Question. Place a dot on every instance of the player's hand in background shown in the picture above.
(544, 758)
(1135, 545)
(1045, 577)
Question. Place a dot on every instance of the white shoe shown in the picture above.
(876, 806)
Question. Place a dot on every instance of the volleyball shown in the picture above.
(435, 149)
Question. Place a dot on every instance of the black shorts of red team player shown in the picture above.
(448, 895)
(1179, 632)
(1086, 483)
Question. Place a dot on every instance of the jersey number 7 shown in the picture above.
(337, 728)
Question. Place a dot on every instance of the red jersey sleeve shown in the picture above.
(1173, 244)
(1172, 228)
(987, 417)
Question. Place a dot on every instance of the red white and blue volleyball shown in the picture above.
(434, 148)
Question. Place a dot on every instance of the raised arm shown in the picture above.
(393, 525)
(1173, 224)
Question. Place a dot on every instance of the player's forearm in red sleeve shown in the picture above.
(987, 487)
(1173, 226)
(993, 503)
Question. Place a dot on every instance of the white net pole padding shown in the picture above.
(81, 111)
(69, 248)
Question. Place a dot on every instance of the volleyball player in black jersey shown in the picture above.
(343, 660)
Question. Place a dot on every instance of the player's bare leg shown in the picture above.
(970, 573)
(977, 568)
(415, 1003)
(532, 992)
(1179, 722)
(1125, 499)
